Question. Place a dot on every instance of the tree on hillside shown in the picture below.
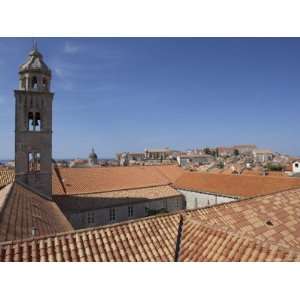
(236, 152)
(207, 151)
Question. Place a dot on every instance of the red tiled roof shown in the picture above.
(115, 198)
(143, 240)
(207, 243)
(234, 185)
(96, 180)
(252, 217)
(21, 210)
(259, 229)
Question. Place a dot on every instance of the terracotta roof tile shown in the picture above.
(234, 185)
(95, 180)
(236, 231)
(6, 177)
(201, 242)
(22, 210)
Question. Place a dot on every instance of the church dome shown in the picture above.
(35, 63)
(93, 155)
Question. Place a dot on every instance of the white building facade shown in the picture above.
(201, 199)
(296, 167)
(262, 156)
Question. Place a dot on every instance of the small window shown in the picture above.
(34, 121)
(130, 211)
(34, 83)
(37, 162)
(45, 83)
(37, 121)
(112, 214)
(90, 217)
(30, 162)
(34, 162)
(297, 165)
(30, 121)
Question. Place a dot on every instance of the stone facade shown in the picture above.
(129, 210)
(33, 125)
(190, 160)
(262, 156)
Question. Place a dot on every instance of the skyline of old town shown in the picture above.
(127, 95)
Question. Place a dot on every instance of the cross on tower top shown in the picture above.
(34, 41)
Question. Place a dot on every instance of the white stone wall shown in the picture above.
(199, 200)
(140, 210)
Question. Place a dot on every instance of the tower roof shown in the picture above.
(35, 63)
(93, 154)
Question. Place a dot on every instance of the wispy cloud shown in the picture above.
(70, 48)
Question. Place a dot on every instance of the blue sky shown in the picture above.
(127, 94)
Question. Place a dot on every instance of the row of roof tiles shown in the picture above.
(234, 185)
(72, 181)
(258, 229)
(6, 177)
(22, 211)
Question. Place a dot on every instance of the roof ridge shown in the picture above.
(117, 190)
(185, 213)
(57, 172)
(75, 231)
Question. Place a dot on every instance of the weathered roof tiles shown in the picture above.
(234, 185)
(237, 231)
(23, 211)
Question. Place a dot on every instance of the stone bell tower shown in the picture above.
(33, 125)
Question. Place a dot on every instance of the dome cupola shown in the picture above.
(93, 158)
(35, 75)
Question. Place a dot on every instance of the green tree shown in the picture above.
(207, 151)
(220, 165)
(273, 167)
(236, 152)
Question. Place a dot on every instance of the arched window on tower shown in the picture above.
(34, 121)
(34, 82)
(37, 121)
(45, 83)
(30, 121)
(34, 162)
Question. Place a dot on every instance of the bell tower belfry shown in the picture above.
(33, 125)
